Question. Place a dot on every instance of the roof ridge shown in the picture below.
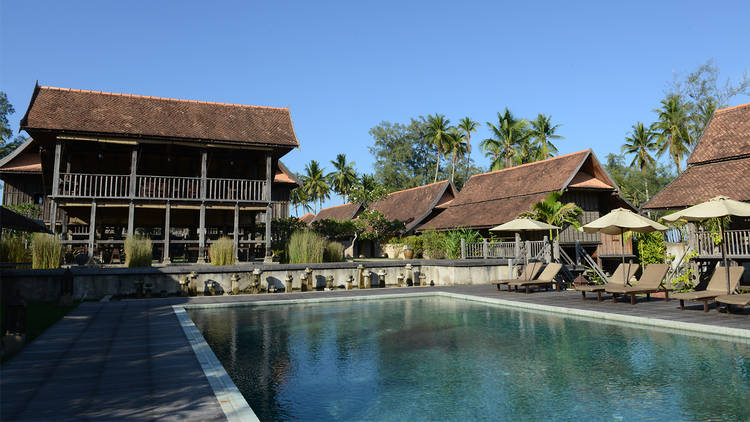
(503, 197)
(149, 97)
(336, 206)
(732, 108)
(420, 187)
(534, 163)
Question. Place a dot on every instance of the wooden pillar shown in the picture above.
(236, 233)
(202, 234)
(55, 187)
(131, 189)
(131, 218)
(92, 228)
(204, 173)
(167, 212)
(517, 246)
(269, 181)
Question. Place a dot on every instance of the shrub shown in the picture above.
(334, 252)
(415, 243)
(306, 247)
(221, 252)
(453, 241)
(651, 248)
(46, 251)
(433, 243)
(138, 251)
(13, 249)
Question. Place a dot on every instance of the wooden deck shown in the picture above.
(130, 359)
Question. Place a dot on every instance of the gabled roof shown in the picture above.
(339, 212)
(719, 165)
(23, 159)
(284, 175)
(94, 112)
(412, 206)
(307, 218)
(493, 198)
(726, 136)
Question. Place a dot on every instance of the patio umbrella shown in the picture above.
(524, 224)
(619, 221)
(717, 207)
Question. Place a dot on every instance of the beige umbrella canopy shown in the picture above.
(717, 207)
(522, 225)
(619, 221)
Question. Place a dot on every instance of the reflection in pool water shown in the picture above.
(437, 358)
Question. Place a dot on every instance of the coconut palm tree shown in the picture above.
(436, 131)
(494, 151)
(457, 147)
(467, 126)
(671, 129)
(509, 133)
(344, 177)
(640, 143)
(543, 131)
(552, 211)
(298, 197)
(314, 183)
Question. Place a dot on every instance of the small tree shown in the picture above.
(552, 211)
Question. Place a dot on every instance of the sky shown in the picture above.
(343, 67)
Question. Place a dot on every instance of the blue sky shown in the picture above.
(343, 67)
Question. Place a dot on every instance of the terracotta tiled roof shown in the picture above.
(94, 112)
(24, 159)
(727, 135)
(284, 175)
(339, 212)
(412, 206)
(702, 182)
(307, 218)
(483, 214)
(493, 198)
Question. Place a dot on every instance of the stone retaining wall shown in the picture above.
(96, 283)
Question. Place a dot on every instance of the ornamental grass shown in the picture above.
(46, 251)
(13, 249)
(334, 252)
(221, 252)
(306, 247)
(138, 251)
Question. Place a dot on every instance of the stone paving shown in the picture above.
(130, 360)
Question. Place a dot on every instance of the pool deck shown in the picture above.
(130, 360)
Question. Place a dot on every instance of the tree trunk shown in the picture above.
(453, 167)
(437, 166)
(468, 157)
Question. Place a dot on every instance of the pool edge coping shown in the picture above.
(236, 408)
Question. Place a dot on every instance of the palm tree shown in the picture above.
(552, 211)
(509, 134)
(344, 177)
(543, 131)
(640, 143)
(437, 133)
(671, 129)
(457, 147)
(494, 151)
(298, 197)
(314, 183)
(467, 126)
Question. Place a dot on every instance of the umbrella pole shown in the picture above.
(622, 251)
(724, 253)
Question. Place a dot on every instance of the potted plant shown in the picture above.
(408, 252)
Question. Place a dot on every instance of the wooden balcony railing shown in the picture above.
(115, 186)
(737, 243)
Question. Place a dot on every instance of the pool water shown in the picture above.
(437, 358)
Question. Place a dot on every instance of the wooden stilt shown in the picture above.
(167, 212)
(131, 218)
(202, 234)
(92, 229)
(236, 233)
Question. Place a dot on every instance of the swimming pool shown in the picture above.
(439, 358)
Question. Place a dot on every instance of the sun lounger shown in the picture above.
(716, 287)
(530, 271)
(739, 300)
(545, 279)
(617, 279)
(650, 282)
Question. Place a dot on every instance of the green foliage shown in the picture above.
(13, 248)
(685, 281)
(505, 138)
(282, 229)
(343, 178)
(433, 243)
(638, 186)
(27, 209)
(221, 251)
(640, 143)
(306, 247)
(552, 211)
(334, 229)
(138, 251)
(367, 191)
(314, 183)
(651, 247)
(453, 241)
(415, 243)
(542, 131)
(592, 275)
(46, 251)
(671, 129)
(334, 252)
(373, 225)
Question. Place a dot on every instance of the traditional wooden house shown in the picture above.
(410, 206)
(126, 164)
(493, 198)
(719, 165)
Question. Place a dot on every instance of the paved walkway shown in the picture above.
(130, 360)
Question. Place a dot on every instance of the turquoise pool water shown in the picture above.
(437, 358)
